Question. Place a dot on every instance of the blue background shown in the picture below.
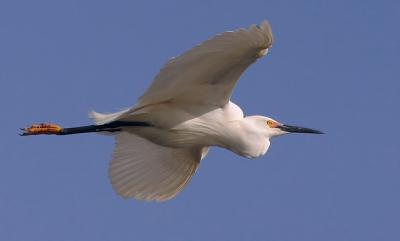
(334, 66)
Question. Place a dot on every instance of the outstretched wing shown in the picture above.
(208, 72)
(204, 75)
(147, 171)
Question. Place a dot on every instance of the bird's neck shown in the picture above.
(246, 140)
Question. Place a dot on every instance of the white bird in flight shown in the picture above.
(187, 109)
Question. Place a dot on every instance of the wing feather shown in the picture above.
(208, 72)
(144, 170)
(205, 75)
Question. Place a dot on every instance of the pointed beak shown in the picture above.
(297, 129)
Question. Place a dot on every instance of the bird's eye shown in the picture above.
(270, 123)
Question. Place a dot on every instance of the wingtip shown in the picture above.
(266, 29)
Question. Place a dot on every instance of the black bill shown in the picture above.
(297, 129)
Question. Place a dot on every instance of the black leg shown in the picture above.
(52, 129)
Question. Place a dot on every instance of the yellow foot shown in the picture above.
(41, 129)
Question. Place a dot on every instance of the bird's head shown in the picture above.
(272, 128)
(258, 130)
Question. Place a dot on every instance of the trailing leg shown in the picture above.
(53, 129)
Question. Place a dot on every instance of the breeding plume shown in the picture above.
(187, 109)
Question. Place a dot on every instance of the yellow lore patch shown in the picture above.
(272, 123)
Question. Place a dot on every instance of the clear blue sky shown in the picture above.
(334, 66)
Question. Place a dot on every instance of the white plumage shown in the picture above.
(211, 68)
(187, 109)
(148, 171)
(188, 103)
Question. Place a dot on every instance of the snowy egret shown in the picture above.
(187, 109)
